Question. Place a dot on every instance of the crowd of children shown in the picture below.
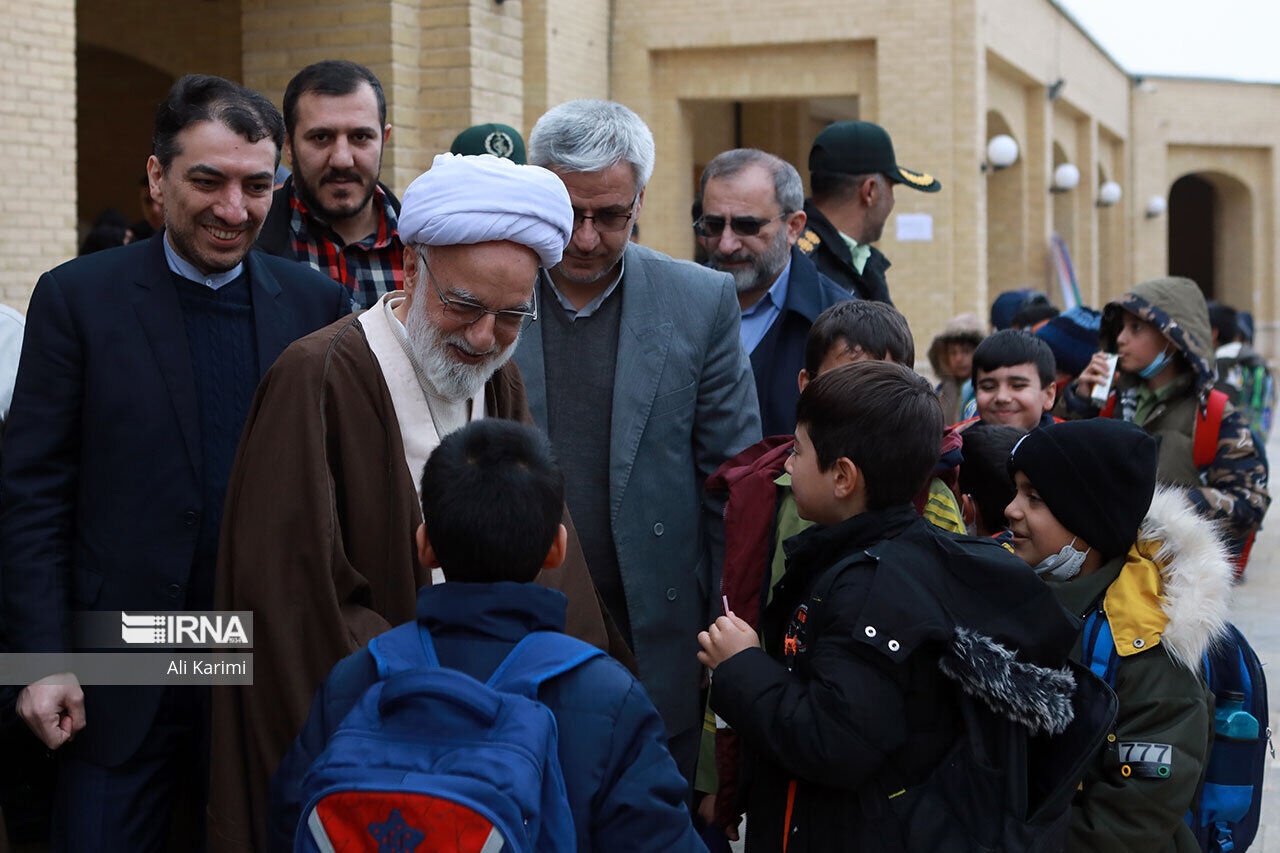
(899, 596)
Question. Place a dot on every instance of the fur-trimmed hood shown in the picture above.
(1189, 562)
(963, 328)
(1036, 696)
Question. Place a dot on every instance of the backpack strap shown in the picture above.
(1208, 426)
(1098, 647)
(405, 647)
(539, 657)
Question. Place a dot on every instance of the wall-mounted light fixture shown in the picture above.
(1065, 178)
(1156, 206)
(1002, 152)
(1054, 89)
(1109, 193)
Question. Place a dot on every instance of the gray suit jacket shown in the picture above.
(684, 400)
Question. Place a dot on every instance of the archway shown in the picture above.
(117, 97)
(1211, 235)
(1006, 219)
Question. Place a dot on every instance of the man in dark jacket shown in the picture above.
(491, 508)
(332, 213)
(854, 700)
(137, 374)
(852, 170)
(749, 223)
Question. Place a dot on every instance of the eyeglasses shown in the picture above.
(606, 221)
(743, 226)
(466, 312)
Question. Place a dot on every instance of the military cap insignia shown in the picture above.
(920, 179)
(499, 144)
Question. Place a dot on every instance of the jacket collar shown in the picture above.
(804, 290)
(828, 233)
(823, 546)
(505, 611)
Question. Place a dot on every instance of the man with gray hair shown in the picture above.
(323, 502)
(751, 218)
(635, 369)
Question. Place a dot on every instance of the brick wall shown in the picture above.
(38, 136)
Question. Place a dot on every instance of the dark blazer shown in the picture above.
(275, 237)
(102, 497)
(777, 359)
(822, 243)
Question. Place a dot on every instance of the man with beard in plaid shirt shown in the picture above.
(333, 213)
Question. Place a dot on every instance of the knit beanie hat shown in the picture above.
(1073, 337)
(1096, 476)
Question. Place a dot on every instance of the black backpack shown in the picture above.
(1000, 788)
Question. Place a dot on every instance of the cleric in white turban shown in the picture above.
(481, 198)
(323, 505)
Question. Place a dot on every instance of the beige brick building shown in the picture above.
(81, 78)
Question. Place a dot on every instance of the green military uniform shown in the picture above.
(823, 245)
(854, 148)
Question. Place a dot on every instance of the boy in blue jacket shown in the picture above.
(492, 500)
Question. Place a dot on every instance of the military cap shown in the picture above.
(863, 148)
(500, 140)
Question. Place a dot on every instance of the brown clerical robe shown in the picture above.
(317, 541)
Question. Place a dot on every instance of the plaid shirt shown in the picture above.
(368, 268)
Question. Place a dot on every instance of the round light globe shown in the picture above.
(1002, 151)
(1109, 193)
(1066, 177)
(1156, 205)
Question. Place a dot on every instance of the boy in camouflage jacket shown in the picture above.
(1161, 331)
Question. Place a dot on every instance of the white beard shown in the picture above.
(453, 380)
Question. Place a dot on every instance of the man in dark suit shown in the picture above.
(852, 171)
(136, 376)
(750, 220)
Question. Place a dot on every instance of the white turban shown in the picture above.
(478, 198)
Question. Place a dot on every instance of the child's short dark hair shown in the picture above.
(878, 328)
(1011, 347)
(1224, 320)
(1029, 315)
(881, 416)
(984, 473)
(492, 500)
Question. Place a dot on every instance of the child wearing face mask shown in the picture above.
(1088, 518)
(1161, 331)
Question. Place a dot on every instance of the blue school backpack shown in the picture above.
(430, 759)
(1224, 817)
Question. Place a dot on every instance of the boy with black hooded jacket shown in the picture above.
(878, 624)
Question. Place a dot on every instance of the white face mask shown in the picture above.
(1064, 565)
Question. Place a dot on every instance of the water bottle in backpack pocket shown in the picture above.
(432, 759)
(1224, 817)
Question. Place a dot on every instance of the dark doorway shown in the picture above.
(1193, 206)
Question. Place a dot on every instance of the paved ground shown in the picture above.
(1256, 615)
